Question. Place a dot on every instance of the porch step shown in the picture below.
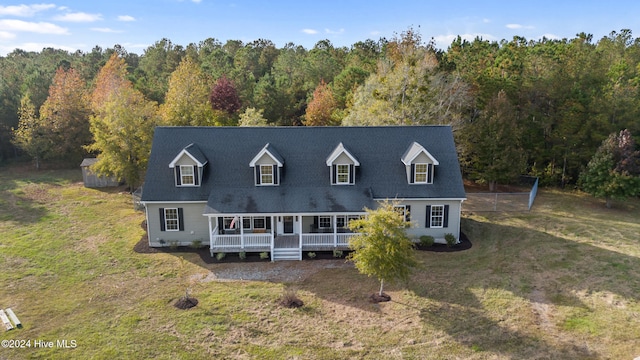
(286, 254)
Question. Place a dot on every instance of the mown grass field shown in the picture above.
(559, 282)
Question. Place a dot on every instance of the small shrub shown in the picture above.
(196, 244)
(264, 255)
(242, 255)
(290, 299)
(427, 240)
(220, 255)
(173, 244)
(450, 239)
(337, 253)
(162, 242)
(311, 254)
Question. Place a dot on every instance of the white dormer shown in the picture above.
(267, 166)
(419, 164)
(342, 166)
(188, 166)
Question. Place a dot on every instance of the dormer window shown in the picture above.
(420, 164)
(186, 175)
(342, 166)
(267, 164)
(266, 175)
(188, 166)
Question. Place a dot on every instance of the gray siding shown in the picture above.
(419, 215)
(196, 226)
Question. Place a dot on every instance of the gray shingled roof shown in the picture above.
(305, 186)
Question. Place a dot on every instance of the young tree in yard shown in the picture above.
(382, 247)
(614, 170)
(30, 136)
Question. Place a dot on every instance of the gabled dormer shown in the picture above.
(342, 166)
(267, 166)
(420, 164)
(188, 166)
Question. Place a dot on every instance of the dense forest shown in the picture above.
(516, 106)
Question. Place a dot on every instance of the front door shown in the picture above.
(288, 224)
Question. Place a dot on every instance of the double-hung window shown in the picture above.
(342, 174)
(171, 222)
(420, 174)
(266, 174)
(324, 222)
(437, 216)
(186, 175)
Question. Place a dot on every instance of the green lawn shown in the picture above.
(559, 282)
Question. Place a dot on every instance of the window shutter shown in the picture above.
(352, 174)
(315, 223)
(413, 174)
(257, 174)
(428, 219)
(430, 173)
(446, 216)
(180, 219)
(162, 225)
(275, 175)
(178, 177)
(407, 213)
(268, 222)
(220, 223)
(334, 171)
(196, 179)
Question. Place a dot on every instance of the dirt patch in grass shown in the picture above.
(186, 302)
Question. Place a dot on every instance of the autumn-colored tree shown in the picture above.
(321, 107)
(122, 125)
(65, 115)
(382, 247)
(224, 96)
(186, 101)
(30, 136)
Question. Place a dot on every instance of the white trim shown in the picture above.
(340, 149)
(273, 176)
(287, 214)
(426, 174)
(193, 176)
(421, 199)
(261, 153)
(184, 151)
(414, 150)
(441, 216)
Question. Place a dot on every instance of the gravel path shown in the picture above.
(279, 271)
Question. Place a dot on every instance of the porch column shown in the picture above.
(335, 231)
(241, 233)
(299, 231)
(210, 236)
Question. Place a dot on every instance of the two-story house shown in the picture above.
(286, 190)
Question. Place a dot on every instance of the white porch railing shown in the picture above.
(340, 239)
(245, 241)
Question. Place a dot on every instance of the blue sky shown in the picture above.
(136, 24)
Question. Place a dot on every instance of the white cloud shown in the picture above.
(5, 35)
(197, 1)
(107, 30)
(24, 10)
(310, 31)
(126, 18)
(486, 21)
(550, 37)
(39, 27)
(333, 32)
(518, 26)
(32, 46)
(79, 17)
(375, 33)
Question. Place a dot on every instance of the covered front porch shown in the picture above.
(284, 236)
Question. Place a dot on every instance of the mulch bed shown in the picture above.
(464, 244)
(377, 298)
(186, 302)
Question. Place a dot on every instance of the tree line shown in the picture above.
(517, 106)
